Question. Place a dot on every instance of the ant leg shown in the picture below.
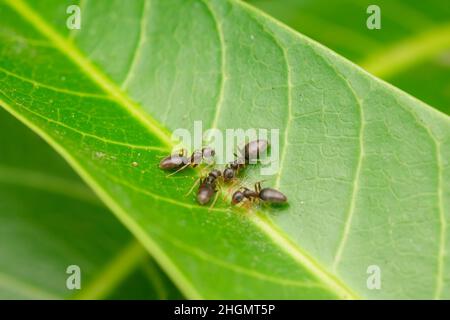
(258, 185)
(193, 186)
(234, 182)
(209, 165)
(214, 201)
(217, 190)
(231, 186)
(182, 168)
(247, 204)
(226, 195)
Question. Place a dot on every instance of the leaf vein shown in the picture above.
(53, 88)
(236, 268)
(141, 41)
(441, 214)
(279, 237)
(90, 135)
(223, 78)
(357, 175)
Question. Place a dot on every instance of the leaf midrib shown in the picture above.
(72, 52)
(277, 236)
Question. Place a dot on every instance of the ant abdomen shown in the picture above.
(272, 195)
(267, 195)
(254, 149)
(173, 161)
(205, 193)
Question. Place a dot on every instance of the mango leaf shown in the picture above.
(364, 165)
(50, 220)
(413, 54)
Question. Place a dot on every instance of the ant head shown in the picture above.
(237, 197)
(228, 174)
(208, 152)
(234, 166)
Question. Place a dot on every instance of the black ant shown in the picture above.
(208, 187)
(180, 161)
(232, 169)
(250, 153)
(266, 194)
(174, 161)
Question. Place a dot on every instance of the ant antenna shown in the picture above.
(180, 153)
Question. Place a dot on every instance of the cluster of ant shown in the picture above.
(208, 185)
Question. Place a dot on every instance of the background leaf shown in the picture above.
(49, 220)
(364, 165)
(411, 50)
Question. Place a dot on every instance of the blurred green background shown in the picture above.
(44, 229)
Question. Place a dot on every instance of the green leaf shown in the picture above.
(364, 165)
(410, 53)
(49, 221)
